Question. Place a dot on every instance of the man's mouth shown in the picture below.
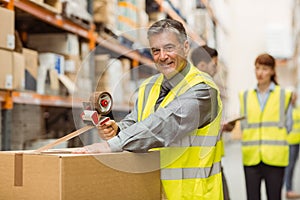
(165, 65)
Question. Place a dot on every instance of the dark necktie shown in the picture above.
(165, 88)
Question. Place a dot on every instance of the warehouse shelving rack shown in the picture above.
(53, 18)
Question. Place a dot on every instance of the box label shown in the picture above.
(9, 81)
(10, 41)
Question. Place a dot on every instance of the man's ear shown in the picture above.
(202, 66)
(186, 47)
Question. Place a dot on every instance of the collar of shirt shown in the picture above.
(271, 87)
(170, 83)
(262, 98)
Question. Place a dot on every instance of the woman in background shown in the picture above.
(268, 113)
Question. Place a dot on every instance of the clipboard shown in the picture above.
(233, 121)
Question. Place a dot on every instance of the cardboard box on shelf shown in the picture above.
(12, 67)
(114, 176)
(57, 4)
(47, 81)
(6, 69)
(7, 37)
(18, 71)
(31, 61)
(72, 63)
(106, 12)
(60, 43)
(31, 68)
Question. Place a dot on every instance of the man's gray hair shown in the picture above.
(166, 25)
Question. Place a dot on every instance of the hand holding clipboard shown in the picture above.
(228, 126)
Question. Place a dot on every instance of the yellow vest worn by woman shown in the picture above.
(191, 170)
(294, 135)
(264, 134)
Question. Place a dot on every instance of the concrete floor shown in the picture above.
(233, 169)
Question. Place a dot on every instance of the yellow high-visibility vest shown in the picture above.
(192, 170)
(294, 135)
(264, 134)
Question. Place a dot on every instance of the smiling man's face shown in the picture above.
(168, 53)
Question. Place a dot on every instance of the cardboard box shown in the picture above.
(31, 68)
(7, 37)
(6, 69)
(72, 63)
(12, 73)
(18, 71)
(31, 61)
(113, 176)
(60, 43)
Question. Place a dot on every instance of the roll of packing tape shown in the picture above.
(102, 102)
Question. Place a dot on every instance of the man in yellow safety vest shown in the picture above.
(177, 111)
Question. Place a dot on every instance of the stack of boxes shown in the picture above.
(105, 12)
(127, 17)
(113, 75)
(60, 63)
(54, 49)
(49, 61)
(11, 62)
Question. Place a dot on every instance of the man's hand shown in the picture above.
(107, 130)
(101, 147)
(227, 127)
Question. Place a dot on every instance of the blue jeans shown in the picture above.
(289, 170)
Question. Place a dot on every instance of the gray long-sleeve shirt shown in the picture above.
(195, 108)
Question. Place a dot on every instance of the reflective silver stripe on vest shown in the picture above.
(263, 124)
(197, 140)
(279, 124)
(265, 142)
(282, 113)
(244, 122)
(190, 173)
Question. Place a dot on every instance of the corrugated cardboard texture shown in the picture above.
(18, 71)
(126, 176)
(6, 69)
(31, 61)
(7, 24)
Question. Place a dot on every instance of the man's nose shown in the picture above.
(163, 54)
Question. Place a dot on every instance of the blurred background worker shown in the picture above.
(206, 60)
(265, 149)
(294, 141)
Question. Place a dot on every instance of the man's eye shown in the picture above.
(169, 48)
(155, 51)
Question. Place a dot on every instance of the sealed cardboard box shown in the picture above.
(31, 68)
(60, 43)
(7, 37)
(6, 69)
(31, 61)
(61, 176)
(18, 71)
(12, 67)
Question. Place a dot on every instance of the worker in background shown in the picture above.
(268, 113)
(206, 60)
(178, 111)
(294, 141)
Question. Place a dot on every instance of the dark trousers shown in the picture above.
(289, 170)
(225, 186)
(273, 177)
